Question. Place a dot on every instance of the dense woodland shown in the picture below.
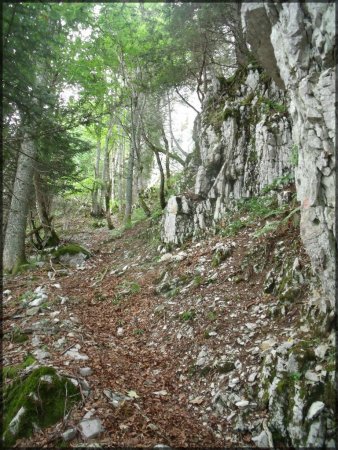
(89, 91)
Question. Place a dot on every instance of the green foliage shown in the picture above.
(294, 155)
(279, 183)
(138, 332)
(13, 371)
(212, 316)
(129, 288)
(270, 106)
(187, 315)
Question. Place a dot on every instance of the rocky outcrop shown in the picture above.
(244, 143)
(301, 36)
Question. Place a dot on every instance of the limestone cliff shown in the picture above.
(243, 139)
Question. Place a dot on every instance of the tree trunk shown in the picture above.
(162, 180)
(143, 204)
(167, 157)
(106, 180)
(96, 204)
(43, 204)
(130, 170)
(14, 245)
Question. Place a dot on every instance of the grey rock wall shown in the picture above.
(302, 39)
(243, 138)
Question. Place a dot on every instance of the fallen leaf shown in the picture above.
(197, 400)
(160, 393)
(132, 394)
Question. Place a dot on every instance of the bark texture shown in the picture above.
(14, 245)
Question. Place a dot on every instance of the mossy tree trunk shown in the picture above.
(43, 206)
(14, 245)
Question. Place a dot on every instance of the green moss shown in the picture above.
(225, 367)
(70, 249)
(304, 353)
(44, 402)
(13, 371)
(19, 337)
(187, 315)
(253, 157)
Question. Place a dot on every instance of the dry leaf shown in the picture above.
(132, 394)
(160, 393)
(197, 400)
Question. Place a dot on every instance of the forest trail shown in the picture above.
(174, 346)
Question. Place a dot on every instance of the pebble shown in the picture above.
(41, 354)
(266, 345)
(32, 311)
(90, 428)
(242, 404)
(321, 350)
(252, 377)
(37, 302)
(166, 257)
(69, 434)
(119, 331)
(85, 371)
(36, 341)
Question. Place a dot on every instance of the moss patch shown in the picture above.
(13, 371)
(44, 397)
(70, 249)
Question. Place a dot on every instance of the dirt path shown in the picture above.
(182, 339)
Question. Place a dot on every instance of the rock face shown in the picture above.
(253, 131)
(243, 137)
(301, 37)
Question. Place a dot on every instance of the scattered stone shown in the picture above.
(242, 404)
(91, 428)
(262, 440)
(321, 350)
(74, 353)
(233, 382)
(119, 331)
(115, 398)
(85, 371)
(166, 257)
(32, 311)
(41, 354)
(252, 377)
(36, 341)
(89, 414)
(266, 345)
(69, 434)
(315, 409)
(179, 257)
(7, 292)
(37, 302)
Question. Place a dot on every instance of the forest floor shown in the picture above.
(180, 340)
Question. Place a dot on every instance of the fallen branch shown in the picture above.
(104, 273)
